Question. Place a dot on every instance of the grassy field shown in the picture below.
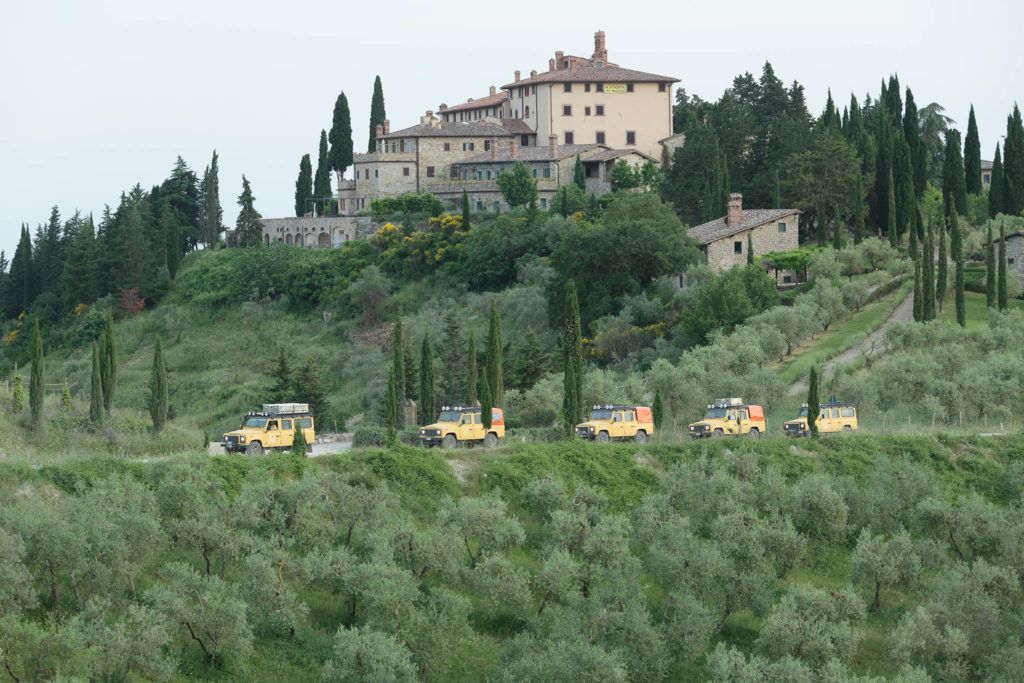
(841, 335)
(974, 306)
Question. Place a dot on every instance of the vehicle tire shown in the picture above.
(640, 437)
(602, 437)
(491, 440)
(717, 433)
(754, 433)
(449, 441)
(847, 429)
(254, 448)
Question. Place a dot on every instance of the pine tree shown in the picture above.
(918, 303)
(495, 362)
(427, 409)
(466, 224)
(340, 137)
(96, 389)
(1002, 294)
(996, 188)
(579, 175)
(1013, 165)
(20, 278)
(281, 391)
(453, 359)
(37, 380)
(572, 362)
(108, 367)
(957, 253)
(531, 360)
(398, 361)
(750, 249)
(990, 269)
(813, 403)
(972, 156)
(837, 231)
(303, 186)
(486, 407)
(377, 114)
(941, 280)
(472, 377)
(249, 224)
(928, 275)
(158, 389)
(658, 410)
(858, 212)
(391, 409)
(322, 178)
(309, 389)
(211, 216)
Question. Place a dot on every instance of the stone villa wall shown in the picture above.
(766, 237)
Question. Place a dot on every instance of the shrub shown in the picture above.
(365, 437)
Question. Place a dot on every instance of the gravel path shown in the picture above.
(903, 313)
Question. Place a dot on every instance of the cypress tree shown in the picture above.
(890, 224)
(941, 280)
(972, 156)
(777, 195)
(750, 249)
(837, 235)
(1002, 294)
(572, 357)
(957, 252)
(472, 376)
(990, 270)
(918, 304)
(37, 379)
(412, 373)
(65, 398)
(340, 137)
(883, 166)
(858, 212)
(398, 361)
(377, 113)
(954, 188)
(391, 409)
(465, 211)
(928, 275)
(822, 218)
(453, 360)
(723, 188)
(211, 216)
(918, 153)
(1013, 165)
(108, 362)
(903, 186)
(158, 389)
(486, 403)
(298, 441)
(658, 410)
(495, 363)
(915, 219)
(579, 175)
(996, 189)
(813, 403)
(303, 185)
(426, 380)
(322, 179)
(96, 389)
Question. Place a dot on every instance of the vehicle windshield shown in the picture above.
(450, 416)
(714, 414)
(257, 422)
(601, 415)
(803, 412)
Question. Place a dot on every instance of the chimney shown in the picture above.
(600, 53)
(553, 146)
(558, 60)
(494, 149)
(492, 90)
(533, 73)
(517, 75)
(513, 148)
(735, 209)
(387, 127)
(443, 107)
(551, 65)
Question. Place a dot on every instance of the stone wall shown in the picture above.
(1014, 255)
(327, 231)
(766, 237)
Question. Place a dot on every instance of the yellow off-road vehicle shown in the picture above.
(834, 417)
(463, 425)
(730, 417)
(271, 429)
(618, 423)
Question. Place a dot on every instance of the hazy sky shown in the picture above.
(100, 95)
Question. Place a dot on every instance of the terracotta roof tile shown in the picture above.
(593, 74)
(461, 129)
(541, 153)
(488, 101)
(709, 232)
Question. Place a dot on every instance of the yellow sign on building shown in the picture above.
(614, 88)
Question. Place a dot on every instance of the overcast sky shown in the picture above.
(100, 95)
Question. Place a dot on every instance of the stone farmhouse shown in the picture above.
(580, 105)
(1014, 253)
(724, 240)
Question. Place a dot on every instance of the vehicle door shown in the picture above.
(628, 424)
(616, 430)
(287, 435)
(730, 422)
(306, 425)
(849, 417)
(472, 427)
(742, 423)
(273, 434)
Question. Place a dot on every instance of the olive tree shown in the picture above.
(368, 655)
(878, 561)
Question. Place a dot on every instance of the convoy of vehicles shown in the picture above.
(619, 423)
(271, 429)
(834, 417)
(730, 417)
(464, 425)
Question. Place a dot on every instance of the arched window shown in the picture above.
(288, 238)
(323, 240)
(526, 115)
(266, 240)
(298, 240)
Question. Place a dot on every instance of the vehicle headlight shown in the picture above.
(241, 439)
